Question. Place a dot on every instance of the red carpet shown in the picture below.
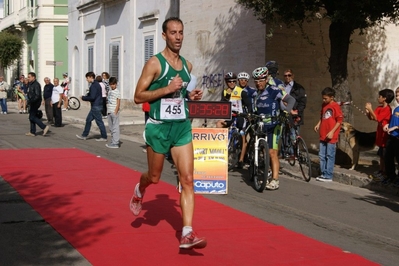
(85, 198)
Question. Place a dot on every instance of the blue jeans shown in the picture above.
(327, 159)
(3, 103)
(34, 120)
(95, 114)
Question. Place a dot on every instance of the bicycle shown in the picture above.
(258, 152)
(12, 93)
(235, 145)
(73, 103)
(293, 147)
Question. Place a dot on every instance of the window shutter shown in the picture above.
(148, 47)
(114, 60)
(90, 59)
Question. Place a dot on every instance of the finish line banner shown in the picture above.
(210, 160)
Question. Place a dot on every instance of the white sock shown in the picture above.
(138, 194)
(186, 230)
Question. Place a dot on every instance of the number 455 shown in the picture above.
(176, 109)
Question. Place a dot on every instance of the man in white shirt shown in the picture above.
(56, 100)
(3, 95)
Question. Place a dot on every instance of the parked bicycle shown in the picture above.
(235, 144)
(258, 152)
(73, 103)
(12, 92)
(293, 147)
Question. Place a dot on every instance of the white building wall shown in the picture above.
(156, 11)
(45, 34)
(220, 37)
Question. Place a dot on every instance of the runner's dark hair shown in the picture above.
(165, 23)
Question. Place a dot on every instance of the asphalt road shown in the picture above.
(355, 219)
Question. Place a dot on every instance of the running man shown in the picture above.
(163, 83)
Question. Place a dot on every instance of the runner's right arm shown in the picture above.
(150, 72)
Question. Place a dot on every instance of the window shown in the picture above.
(90, 59)
(8, 7)
(148, 47)
(114, 59)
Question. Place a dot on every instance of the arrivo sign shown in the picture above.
(209, 109)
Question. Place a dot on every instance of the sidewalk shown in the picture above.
(133, 119)
(127, 116)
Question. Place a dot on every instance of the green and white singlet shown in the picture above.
(172, 107)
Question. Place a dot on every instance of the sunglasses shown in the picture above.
(259, 80)
(231, 81)
(289, 75)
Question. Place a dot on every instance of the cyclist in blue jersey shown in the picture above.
(163, 83)
(268, 102)
(243, 78)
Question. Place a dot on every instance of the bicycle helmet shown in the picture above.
(229, 76)
(273, 68)
(260, 73)
(65, 74)
(243, 75)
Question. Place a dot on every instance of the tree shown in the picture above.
(10, 49)
(345, 17)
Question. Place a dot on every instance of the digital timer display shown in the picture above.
(208, 109)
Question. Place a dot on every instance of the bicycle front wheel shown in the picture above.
(74, 103)
(305, 163)
(234, 150)
(261, 171)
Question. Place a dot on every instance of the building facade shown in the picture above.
(43, 27)
(119, 36)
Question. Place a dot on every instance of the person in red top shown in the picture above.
(382, 115)
(146, 109)
(328, 127)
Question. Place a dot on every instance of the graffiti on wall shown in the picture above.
(213, 82)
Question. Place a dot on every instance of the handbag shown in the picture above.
(39, 114)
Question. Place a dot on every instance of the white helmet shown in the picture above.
(243, 75)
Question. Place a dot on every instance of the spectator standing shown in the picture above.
(382, 115)
(105, 77)
(328, 127)
(95, 98)
(47, 92)
(3, 95)
(21, 88)
(104, 96)
(65, 85)
(114, 103)
(297, 91)
(392, 145)
(56, 102)
(34, 101)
